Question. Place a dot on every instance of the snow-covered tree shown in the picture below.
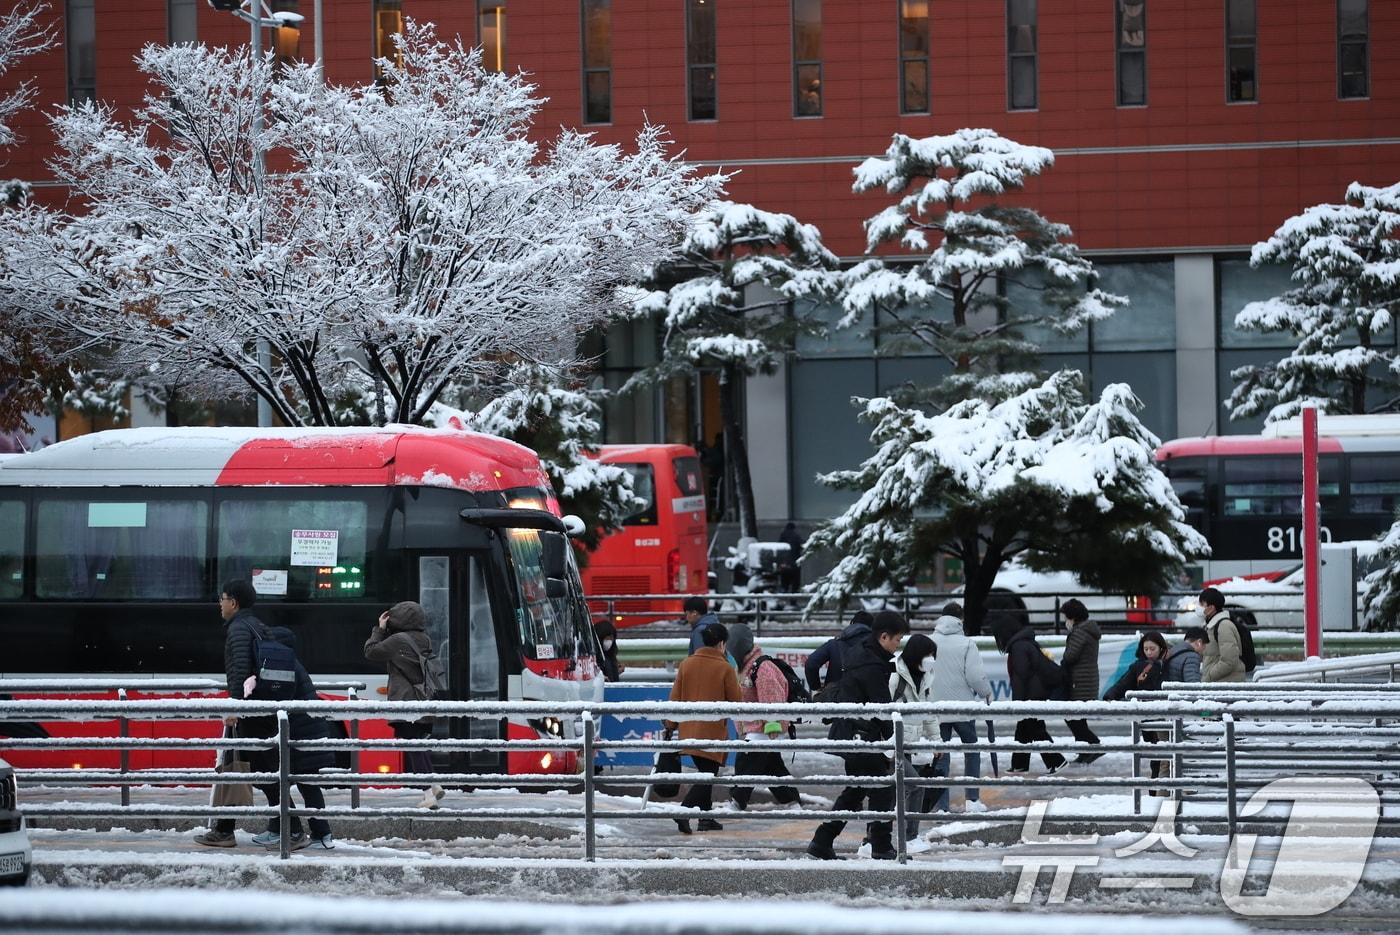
(540, 408)
(1381, 600)
(1043, 477)
(1346, 274)
(416, 236)
(730, 308)
(21, 35)
(946, 299)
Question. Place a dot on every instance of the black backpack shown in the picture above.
(1247, 654)
(434, 682)
(797, 688)
(275, 665)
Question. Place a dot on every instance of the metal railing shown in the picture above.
(1319, 669)
(1218, 747)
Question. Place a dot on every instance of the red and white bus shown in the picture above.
(663, 547)
(113, 547)
(1244, 493)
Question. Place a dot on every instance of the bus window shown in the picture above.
(1273, 486)
(134, 549)
(434, 589)
(483, 659)
(1375, 484)
(295, 549)
(548, 628)
(11, 549)
(1188, 478)
(644, 486)
(688, 476)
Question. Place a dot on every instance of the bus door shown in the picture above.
(452, 587)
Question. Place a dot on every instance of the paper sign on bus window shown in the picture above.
(315, 546)
(687, 504)
(544, 651)
(270, 581)
(116, 515)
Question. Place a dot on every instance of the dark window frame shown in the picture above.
(78, 93)
(1013, 56)
(586, 71)
(485, 6)
(1124, 52)
(798, 65)
(693, 65)
(906, 57)
(1347, 41)
(1241, 42)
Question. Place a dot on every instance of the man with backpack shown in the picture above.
(1223, 656)
(761, 680)
(830, 653)
(1034, 677)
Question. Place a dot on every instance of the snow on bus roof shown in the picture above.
(1384, 424)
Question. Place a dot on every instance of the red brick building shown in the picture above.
(1185, 131)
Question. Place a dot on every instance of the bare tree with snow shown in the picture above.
(416, 235)
(1346, 275)
(1041, 477)
(951, 215)
(730, 307)
(21, 35)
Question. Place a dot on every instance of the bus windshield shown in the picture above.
(644, 486)
(549, 627)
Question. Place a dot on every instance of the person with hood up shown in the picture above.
(1080, 664)
(1026, 666)
(398, 642)
(608, 663)
(1183, 663)
(1145, 674)
(762, 682)
(958, 675)
(830, 653)
(865, 679)
(912, 682)
(705, 675)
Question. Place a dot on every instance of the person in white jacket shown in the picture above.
(958, 675)
(911, 682)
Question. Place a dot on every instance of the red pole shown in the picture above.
(1312, 615)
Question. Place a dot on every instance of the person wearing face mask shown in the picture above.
(912, 682)
(608, 662)
(1145, 674)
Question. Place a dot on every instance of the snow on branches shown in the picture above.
(21, 35)
(414, 237)
(1041, 475)
(1346, 274)
(948, 301)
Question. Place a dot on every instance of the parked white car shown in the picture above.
(16, 856)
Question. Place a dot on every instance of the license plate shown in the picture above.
(11, 864)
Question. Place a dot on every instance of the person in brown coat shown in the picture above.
(705, 676)
(398, 643)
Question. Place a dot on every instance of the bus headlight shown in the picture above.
(548, 725)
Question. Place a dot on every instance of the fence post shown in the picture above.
(1057, 616)
(284, 785)
(900, 844)
(589, 840)
(354, 695)
(1231, 810)
(1136, 738)
(124, 731)
(1178, 768)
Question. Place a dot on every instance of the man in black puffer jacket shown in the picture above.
(865, 679)
(1027, 666)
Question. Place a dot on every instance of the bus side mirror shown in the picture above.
(552, 558)
(555, 589)
(574, 526)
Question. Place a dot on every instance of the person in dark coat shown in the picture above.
(608, 662)
(1145, 674)
(1183, 663)
(697, 617)
(242, 630)
(865, 679)
(1080, 664)
(791, 574)
(1026, 666)
(830, 653)
(399, 642)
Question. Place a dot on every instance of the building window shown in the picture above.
(913, 56)
(1353, 66)
(286, 40)
(388, 23)
(807, 58)
(700, 58)
(82, 51)
(181, 21)
(1239, 51)
(597, 61)
(1132, 52)
(1020, 55)
(491, 33)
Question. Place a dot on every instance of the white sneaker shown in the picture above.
(429, 800)
(974, 806)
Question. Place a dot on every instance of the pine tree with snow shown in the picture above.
(541, 409)
(1041, 477)
(946, 300)
(1381, 600)
(731, 307)
(1346, 294)
(416, 236)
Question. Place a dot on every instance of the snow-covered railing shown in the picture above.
(1319, 669)
(136, 682)
(1246, 743)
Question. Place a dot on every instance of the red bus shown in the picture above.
(113, 547)
(1244, 493)
(663, 547)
